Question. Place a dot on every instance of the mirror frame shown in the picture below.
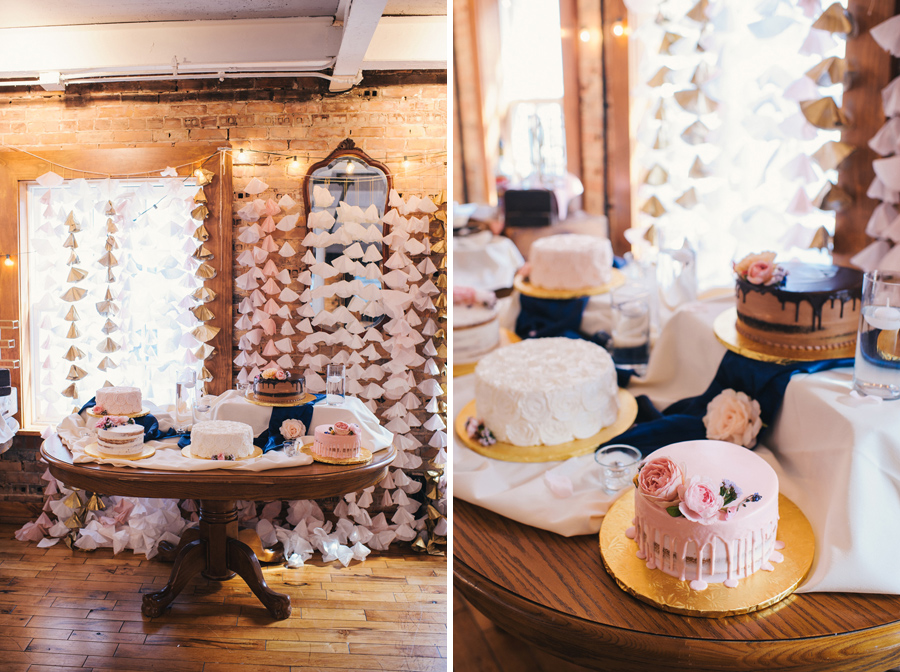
(348, 148)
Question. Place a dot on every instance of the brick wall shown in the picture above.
(389, 116)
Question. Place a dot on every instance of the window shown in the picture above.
(109, 289)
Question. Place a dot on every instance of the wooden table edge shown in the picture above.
(588, 643)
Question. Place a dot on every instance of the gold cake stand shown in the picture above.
(304, 400)
(507, 337)
(725, 329)
(525, 287)
(758, 591)
(563, 451)
(93, 450)
(257, 451)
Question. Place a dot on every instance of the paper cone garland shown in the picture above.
(655, 177)
(72, 315)
(830, 155)
(202, 313)
(76, 275)
(204, 294)
(205, 271)
(205, 333)
(652, 207)
(202, 253)
(201, 212)
(201, 234)
(71, 224)
(204, 176)
(76, 373)
(71, 392)
(70, 242)
(106, 363)
(73, 331)
(835, 19)
(832, 198)
(823, 113)
(828, 72)
(74, 294)
(108, 259)
(688, 199)
(73, 353)
(108, 346)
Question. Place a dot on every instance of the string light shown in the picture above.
(619, 29)
(241, 155)
(585, 35)
(8, 262)
(405, 162)
(349, 167)
(295, 164)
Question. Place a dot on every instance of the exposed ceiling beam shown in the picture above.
(167, 47)
(408, 43)
(359, 27)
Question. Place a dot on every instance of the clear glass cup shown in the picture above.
(292, 447)
(876, 369)
(618, 465)
(334, 384)
(202, 411)
(631, 328)
(185, 399)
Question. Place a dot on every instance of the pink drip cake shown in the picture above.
(338, 441)
(706, 512)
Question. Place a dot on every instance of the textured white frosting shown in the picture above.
(221, 437)
(119, 400)
(121, 440)
(546, 391)
(476, 330)
(570, 261)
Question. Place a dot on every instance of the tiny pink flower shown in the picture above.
(280, 375)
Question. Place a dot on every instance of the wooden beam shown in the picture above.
(862, 104)
(618, 137)
(362, 20)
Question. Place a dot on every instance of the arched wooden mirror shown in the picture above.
(346, 196)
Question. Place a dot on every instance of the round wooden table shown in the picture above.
(553, 592)
(213, 547)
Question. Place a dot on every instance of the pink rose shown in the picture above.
(700, 500)
(733, 416)
(270, 373)
(464, 295)
(99, 410)
(341, 428)
(659, 479)
(292, 429)
(743, 266)
(280, 375)
(760, 272)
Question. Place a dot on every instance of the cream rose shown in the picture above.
(743, 266)
(700, 500)
(733, 416)
(341, 428)
(659, 480)
(292, 429)
(760, 272)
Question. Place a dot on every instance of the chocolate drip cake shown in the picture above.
(814, 307)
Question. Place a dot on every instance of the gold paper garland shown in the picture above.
(206, 271)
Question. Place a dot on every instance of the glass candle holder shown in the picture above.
(334, 384)
(618, 465)
(876, 369)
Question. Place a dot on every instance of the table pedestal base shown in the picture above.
(213, 550)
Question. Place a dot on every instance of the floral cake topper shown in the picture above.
(343, 429)
(478, 432)
(273, 374)
(663, 482)
(760, 269)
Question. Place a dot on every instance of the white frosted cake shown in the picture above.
(221, 440)
(125, 439)
(118, 401)
(570, 261)
(476, 323)
(546, 391)
(706, 512)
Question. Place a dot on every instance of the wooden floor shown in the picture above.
(480, 646)
(62, 611)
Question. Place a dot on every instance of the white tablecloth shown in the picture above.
(837, 458)
(76, 434)
(485, 261)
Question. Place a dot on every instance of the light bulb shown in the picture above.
(619, 29)
(241, 155)
(585, 35)
(349, 166)
(405, 163)
(8, 262)
(295, 164)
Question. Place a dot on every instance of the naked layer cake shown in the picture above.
(706, 512)
(797, 305)
(118, 435)
(476, 323)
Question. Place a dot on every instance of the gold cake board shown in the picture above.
(304, 400)
(365, 456)
(617, 279)
(507, 337)
(93, 450)
(144, 411)
(725, 329)
(758, 591)
(563, 451)
(186, 452)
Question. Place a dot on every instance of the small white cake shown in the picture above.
(119, 400)
(546, 391)
(570, 261)
(121, 440)
(476, 323)
(221, 440)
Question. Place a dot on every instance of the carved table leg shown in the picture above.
(243, 560)
(191, 560)
(168, 551)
